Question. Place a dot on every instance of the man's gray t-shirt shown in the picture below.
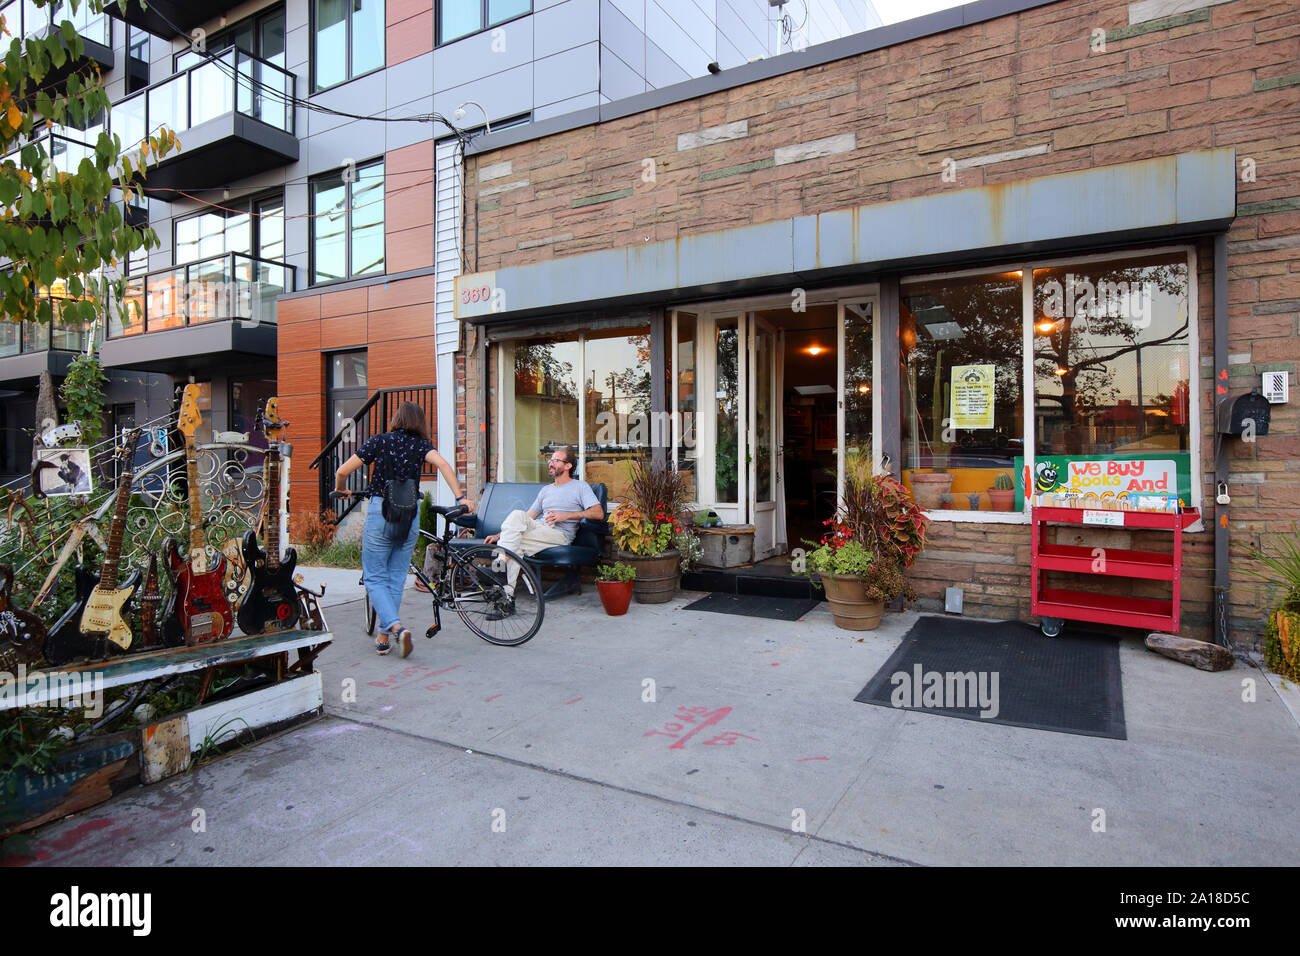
(574, 495)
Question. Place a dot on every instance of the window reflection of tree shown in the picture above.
(537, 363)
(1082, 350)
(989, 313)
(725, 455)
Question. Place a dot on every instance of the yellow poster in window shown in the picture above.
(972, 396)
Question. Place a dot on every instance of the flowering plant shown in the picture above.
(649, 523)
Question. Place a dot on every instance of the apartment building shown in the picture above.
(319, 151)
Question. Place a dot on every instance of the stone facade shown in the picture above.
(1069, 86)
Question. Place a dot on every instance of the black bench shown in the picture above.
(501, 498)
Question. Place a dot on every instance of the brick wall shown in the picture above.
(1064, 87)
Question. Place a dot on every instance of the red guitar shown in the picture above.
(202, 610)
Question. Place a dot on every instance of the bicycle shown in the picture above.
(472, 580)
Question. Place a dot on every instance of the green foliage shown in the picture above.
(336, 554)
(429, 523)
(83, 393)
(688, 544)
(1282, 644)
(1003, 482)
(615, 571)
(62, 230)
(649, 521)
(878, 512)
(1281, 567)
(848, 557)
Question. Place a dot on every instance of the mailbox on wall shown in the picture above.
(1245, 413)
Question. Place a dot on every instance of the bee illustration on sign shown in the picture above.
(1045, 477)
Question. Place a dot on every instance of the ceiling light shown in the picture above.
(814, 350)
(864, 389)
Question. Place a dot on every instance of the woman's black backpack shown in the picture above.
(401, 505)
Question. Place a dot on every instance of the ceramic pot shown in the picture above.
(1002, 500)
(929, 487)
(849, 605)
(615, 596)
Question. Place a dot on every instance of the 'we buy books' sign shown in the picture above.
(1109, 476)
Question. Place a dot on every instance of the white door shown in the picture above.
(764, 407)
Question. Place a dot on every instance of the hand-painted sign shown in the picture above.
(972, 396)
(1109, 476)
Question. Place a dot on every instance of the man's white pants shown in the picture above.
(524, 536)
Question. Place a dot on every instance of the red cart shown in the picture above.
(1054, 606)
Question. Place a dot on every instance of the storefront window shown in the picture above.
(1111, 357)
(857, 377)
(545, 410)
(962, 346)
(618, 422)
(683, 380)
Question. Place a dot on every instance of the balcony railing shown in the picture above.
(229, 286)
(24, 18)
(18, 338)
(65, 146)
(231, 82)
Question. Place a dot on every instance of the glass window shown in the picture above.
(347, 224)
(726, 484)
(961, 344)
(349, 40)
(253, 227)
(1111, 361)
(545, 405)
(683, 381)
(619, 426)
(858, 352)
(347, 386)
(460, 18)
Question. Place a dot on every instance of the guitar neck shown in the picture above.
(108, 576)
(273, 508)
(198, 541)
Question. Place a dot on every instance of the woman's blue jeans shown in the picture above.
(384, 563)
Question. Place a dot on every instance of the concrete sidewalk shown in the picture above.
(568, 750)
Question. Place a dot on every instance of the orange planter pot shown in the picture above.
(615, 595)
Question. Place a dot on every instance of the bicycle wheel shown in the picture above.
(370, 617)
(478, 578)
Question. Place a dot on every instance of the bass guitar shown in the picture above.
(202, 610)
(22, 633)
(104, 616)
(271, 604)
(150, 598)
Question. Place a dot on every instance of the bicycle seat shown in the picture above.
(451, 514)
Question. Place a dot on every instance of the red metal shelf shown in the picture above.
(1105, 608)
(1152, 565)
(1074, 605)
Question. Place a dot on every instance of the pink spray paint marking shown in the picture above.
(441, 684)
(492, 698)
(408, 675)
(574, 701)
(806, 759)
(701, 717)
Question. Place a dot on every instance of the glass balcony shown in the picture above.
(64, 146)
(25, 18)
(221, 288)
(231, 82)
(19, 338)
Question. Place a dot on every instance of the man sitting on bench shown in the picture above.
(560, 505)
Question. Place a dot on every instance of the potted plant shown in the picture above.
(646, 530)
(614, 582)
(1002, 496)
(945, 501)
(928, 488)
(877, 533)
(1281, 569)
(974, 499)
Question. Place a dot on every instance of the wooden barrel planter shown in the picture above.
(849, 605)
(656, 577)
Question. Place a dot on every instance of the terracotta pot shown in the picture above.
(929, 487)
(1002, 500)
(849, 605)
(656, 576)
(615, 595)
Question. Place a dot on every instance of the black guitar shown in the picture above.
(65, 642)
(271, 603)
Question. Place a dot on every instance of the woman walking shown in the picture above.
(386, 548)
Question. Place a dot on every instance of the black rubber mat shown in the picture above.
(754, 605)
(1008, 671)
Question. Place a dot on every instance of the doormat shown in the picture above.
(1005, 672)
(754, 605)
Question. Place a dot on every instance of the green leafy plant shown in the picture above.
(689, 546)
(839, 556)
(215, 739)
(1003, 482)
(83, 393)
(1281, 567)
(615, 571)
(878, 511)
(429, 523)
(336, 554)
(657, 503)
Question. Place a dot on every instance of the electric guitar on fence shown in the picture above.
(202, 610)
(22, 634)
(104, 615)
(150, 598)
(271, 603)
